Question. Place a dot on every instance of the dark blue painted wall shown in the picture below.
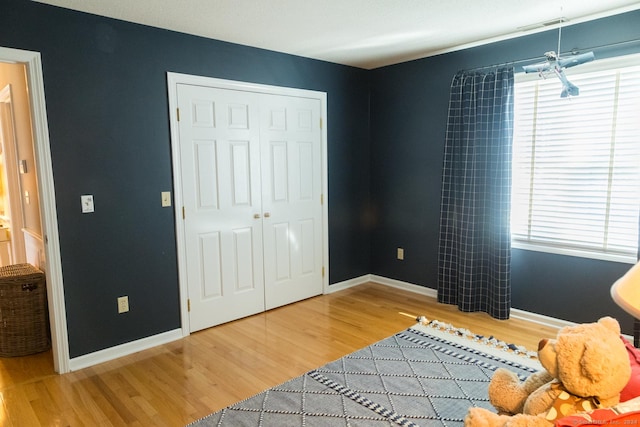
(408, 123)
(105, 87)
(106, 94)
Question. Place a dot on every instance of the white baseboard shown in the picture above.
(382, 281)
(123, 350)
(433, 293)
(540, 319)
(549, 321)
(339, 286)
(423, 290)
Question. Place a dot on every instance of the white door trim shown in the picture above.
(46, 190)
(173, 79)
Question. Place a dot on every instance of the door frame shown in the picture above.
(48, 215)
(173, 80)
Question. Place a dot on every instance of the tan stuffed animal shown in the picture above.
(586, 366)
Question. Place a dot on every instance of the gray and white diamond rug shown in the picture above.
(427, 375)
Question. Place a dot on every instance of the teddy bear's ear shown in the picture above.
(610, 323)
(594, 361)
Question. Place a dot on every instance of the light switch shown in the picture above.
(87, 203)
(166, 199)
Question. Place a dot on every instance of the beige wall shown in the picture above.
(15, 75)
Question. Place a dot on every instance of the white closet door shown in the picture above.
(290, 135)
(220, 164)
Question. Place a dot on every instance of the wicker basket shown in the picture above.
(24, 321)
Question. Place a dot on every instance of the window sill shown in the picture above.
(626, 259)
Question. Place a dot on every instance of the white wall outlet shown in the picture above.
(123, 304)
(87, 203)
(166, 199)
(400, 253)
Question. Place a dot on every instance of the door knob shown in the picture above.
(256, 216)
(267, 214)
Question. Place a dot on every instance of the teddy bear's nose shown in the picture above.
(542, 343)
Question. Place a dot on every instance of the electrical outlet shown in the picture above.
(400, 254)
(123, 304)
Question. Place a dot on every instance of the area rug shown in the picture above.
(427, 375)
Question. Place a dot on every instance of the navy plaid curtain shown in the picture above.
(474, 266)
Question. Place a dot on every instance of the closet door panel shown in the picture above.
(220, 170)
(290, 137)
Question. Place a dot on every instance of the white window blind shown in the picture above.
(576, 164)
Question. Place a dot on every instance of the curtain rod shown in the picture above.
(572, 51)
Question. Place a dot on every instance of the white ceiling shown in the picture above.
(361, 33)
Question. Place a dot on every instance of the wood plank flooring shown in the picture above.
(180, 382)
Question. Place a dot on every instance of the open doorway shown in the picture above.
(20, 226)
(29, 204)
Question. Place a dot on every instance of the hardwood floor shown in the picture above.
(180, 382)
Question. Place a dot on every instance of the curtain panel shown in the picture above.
(474, 266)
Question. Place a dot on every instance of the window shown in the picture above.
(576, 162)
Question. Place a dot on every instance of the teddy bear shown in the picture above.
(585, 367)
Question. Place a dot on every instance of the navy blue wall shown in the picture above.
(106, 94)
(408, 123)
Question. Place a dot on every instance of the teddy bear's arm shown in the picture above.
(508, 394)
(536, 380)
